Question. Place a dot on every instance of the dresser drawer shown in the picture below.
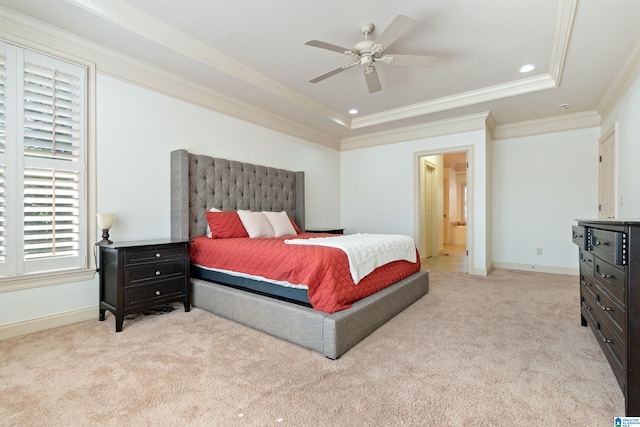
(152, 254)
(586, 261)
(610, 310)
(588, 284)
(612, 279)
(156, 271)
(579, 236)
(588, 305)
(610, 246)
(143, 294)
(613, 349)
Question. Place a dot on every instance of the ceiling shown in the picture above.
(252, 53)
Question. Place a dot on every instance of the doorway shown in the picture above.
(444, 211)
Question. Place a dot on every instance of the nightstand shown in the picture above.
(326, 230)
(135, 276)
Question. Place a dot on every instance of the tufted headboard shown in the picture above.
(199, 183)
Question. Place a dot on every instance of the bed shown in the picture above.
(199, 183)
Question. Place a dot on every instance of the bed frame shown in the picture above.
(199, 183)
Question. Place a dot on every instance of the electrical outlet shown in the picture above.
(539, 251)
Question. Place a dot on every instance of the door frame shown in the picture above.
(419, 192)
(608, 184)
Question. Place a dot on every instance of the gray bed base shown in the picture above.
(228, 186)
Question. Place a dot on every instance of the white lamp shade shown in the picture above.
(105, 221)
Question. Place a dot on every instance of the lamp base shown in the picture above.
(105, 238)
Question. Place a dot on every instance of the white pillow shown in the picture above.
(280, 223)
(256, 224)
(208, 228)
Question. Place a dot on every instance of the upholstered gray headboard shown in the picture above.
(199, 183)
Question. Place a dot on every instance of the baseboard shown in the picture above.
(536, 267)
(47, 322)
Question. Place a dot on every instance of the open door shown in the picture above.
(607, 175)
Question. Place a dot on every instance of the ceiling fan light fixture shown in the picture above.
(527, 68)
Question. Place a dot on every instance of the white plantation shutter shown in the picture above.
(3, 138)
(46, 227)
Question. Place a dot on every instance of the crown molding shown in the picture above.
(25, 31)
(626, 77)
(562, 123)
(491, 93)
(132, 19)
(565, 16)
(410, 133)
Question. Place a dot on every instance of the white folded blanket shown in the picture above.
(366, 252)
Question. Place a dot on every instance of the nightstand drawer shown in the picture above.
(159, 270)
(142, 294)
(160, 253)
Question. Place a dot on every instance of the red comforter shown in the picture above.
(324, 270)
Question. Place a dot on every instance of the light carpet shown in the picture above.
(502, 350)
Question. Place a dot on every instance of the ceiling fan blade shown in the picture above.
(373, 81)
(409, 60)
(397, 28)
(328, 46)
(332, 72)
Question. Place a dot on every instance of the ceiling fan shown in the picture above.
(367, 52)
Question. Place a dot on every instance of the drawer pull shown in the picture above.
(607, 276)
(157, 292)
(587, 307)
(606, 341)
(157, 254)
(606, 308)
(601, 243)
(158, 273)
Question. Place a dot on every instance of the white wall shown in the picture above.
(379, 188)
(540, 185)
(627, 115)
(136, 131)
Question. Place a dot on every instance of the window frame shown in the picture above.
(88, 271)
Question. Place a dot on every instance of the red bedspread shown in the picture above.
(324, 270)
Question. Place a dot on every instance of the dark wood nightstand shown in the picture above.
(326, 230)
(135, 276)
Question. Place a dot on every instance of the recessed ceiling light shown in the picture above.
(526, 68)
(353, 111)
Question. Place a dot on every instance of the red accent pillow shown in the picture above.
(225, 225)
(295, 226)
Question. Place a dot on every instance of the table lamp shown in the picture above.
(105, 221)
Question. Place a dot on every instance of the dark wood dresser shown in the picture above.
(135, 276)
(610, 297)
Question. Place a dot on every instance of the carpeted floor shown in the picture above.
(503, 350)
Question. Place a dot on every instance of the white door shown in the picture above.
(429, 199)
(606, 176)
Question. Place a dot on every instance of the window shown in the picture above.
(43, 205)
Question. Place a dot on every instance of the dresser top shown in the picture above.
(610, 221)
